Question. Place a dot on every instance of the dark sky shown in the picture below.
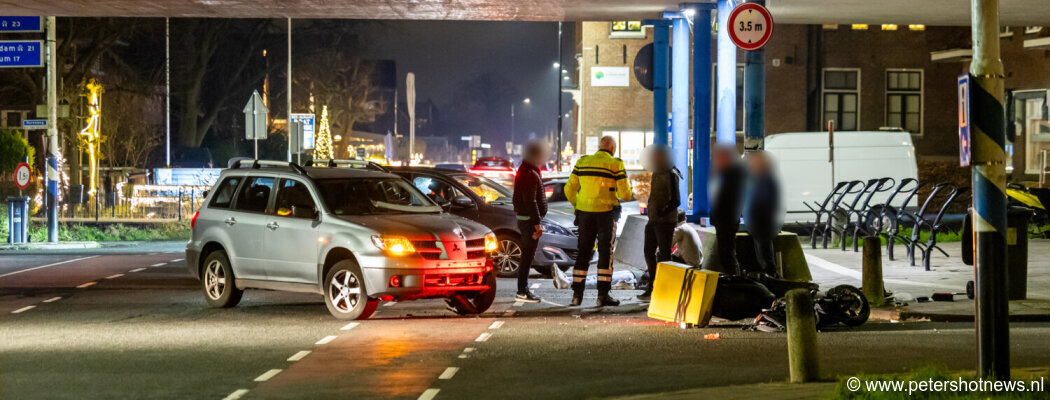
(446, 54)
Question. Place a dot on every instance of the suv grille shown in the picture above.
(428, 249)
(575, 230)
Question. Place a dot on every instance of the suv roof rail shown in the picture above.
(255, 164)
(352, 163)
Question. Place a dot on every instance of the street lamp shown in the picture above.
(526, 101)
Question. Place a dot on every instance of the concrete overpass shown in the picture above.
(928, 12)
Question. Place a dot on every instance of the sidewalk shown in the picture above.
(834, 267)
(34, 248)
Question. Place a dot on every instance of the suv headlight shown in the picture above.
(553, 228)
(491, 244)
(395, 245)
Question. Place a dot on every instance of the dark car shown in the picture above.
(483, 200)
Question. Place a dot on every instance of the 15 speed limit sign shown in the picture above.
(22, 175)
(750, 26)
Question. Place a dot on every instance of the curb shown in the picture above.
(904, 314)
(49, 246)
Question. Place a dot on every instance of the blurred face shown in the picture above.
(758, 164)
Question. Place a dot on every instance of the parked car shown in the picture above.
(489, 203)
(808, 174)
(457, 167)
(554, 188)
(355, 235)
(498, 169)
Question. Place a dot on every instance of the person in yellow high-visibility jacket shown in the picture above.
(596, 186)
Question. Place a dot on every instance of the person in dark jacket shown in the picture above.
(762, 210)
(663, 212)
(730, 178)
(530, 205)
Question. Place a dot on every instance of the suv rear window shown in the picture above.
(224, 192)
(254, 195)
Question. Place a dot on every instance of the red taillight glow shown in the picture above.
(193, 221)
(395, 281)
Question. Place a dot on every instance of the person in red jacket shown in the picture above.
(530, 205)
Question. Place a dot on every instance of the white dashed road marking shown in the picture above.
(114, 276)
(326, 340)
(449, 373)
(468, 350)
(483, 337)
(45, 266)
(267, 375)
(137, 270)
(176, 260)
(158, 264)
(389, 303)
(53, 299)
(535, 285)
(299, 356)
(84, 285)
(237, 394)
(349, 326)
(23, 309)
(496, 325)
(508, 313)
(429, 394)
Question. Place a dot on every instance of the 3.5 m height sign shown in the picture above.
(750, 26)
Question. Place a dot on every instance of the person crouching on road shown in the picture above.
(530, 205)
(686, 243)
(597, 184)
(663, 212)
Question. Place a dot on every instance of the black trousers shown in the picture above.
(764, 252)
(528, 252)
(594, 226)
(657, 248)
(725, 234)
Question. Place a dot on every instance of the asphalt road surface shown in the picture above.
(109, 325)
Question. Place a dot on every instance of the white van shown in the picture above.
(807, 174)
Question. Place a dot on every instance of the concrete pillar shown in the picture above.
(680, 104)
(987, 130)
(801, 337)
(872, 283)
(754, 96)
(726, 92)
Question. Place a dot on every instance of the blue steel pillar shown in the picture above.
(701, 107)
(680, 103)
(661, 64)
(726, 76)
(754, 96)
(988, 173)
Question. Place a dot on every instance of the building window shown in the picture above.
(841, 97)
(627, 29)
(904, 100)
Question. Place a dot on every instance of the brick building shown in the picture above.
(862, 77)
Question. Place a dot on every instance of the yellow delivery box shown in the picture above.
(682, 294)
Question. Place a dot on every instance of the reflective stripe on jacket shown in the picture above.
(598, 183)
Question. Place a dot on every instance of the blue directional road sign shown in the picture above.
(21, 24)
(21, 53)
(964, 120)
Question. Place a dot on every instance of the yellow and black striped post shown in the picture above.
(988, 171)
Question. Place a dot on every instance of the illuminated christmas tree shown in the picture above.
(323, 145)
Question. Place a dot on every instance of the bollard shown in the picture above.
(802, 337)
(872, 283)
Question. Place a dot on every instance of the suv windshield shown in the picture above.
(485, 188)
(373, 196)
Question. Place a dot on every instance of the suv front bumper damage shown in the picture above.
(438, 278)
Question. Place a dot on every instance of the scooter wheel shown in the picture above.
(852, 303)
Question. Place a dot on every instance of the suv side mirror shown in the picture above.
(304, 212)
(462, 201)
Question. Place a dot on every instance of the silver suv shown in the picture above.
(357, 236)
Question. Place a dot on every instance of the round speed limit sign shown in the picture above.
(750, 26)
(22, 175)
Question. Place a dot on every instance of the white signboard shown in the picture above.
(610, 76)
(308, 128)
